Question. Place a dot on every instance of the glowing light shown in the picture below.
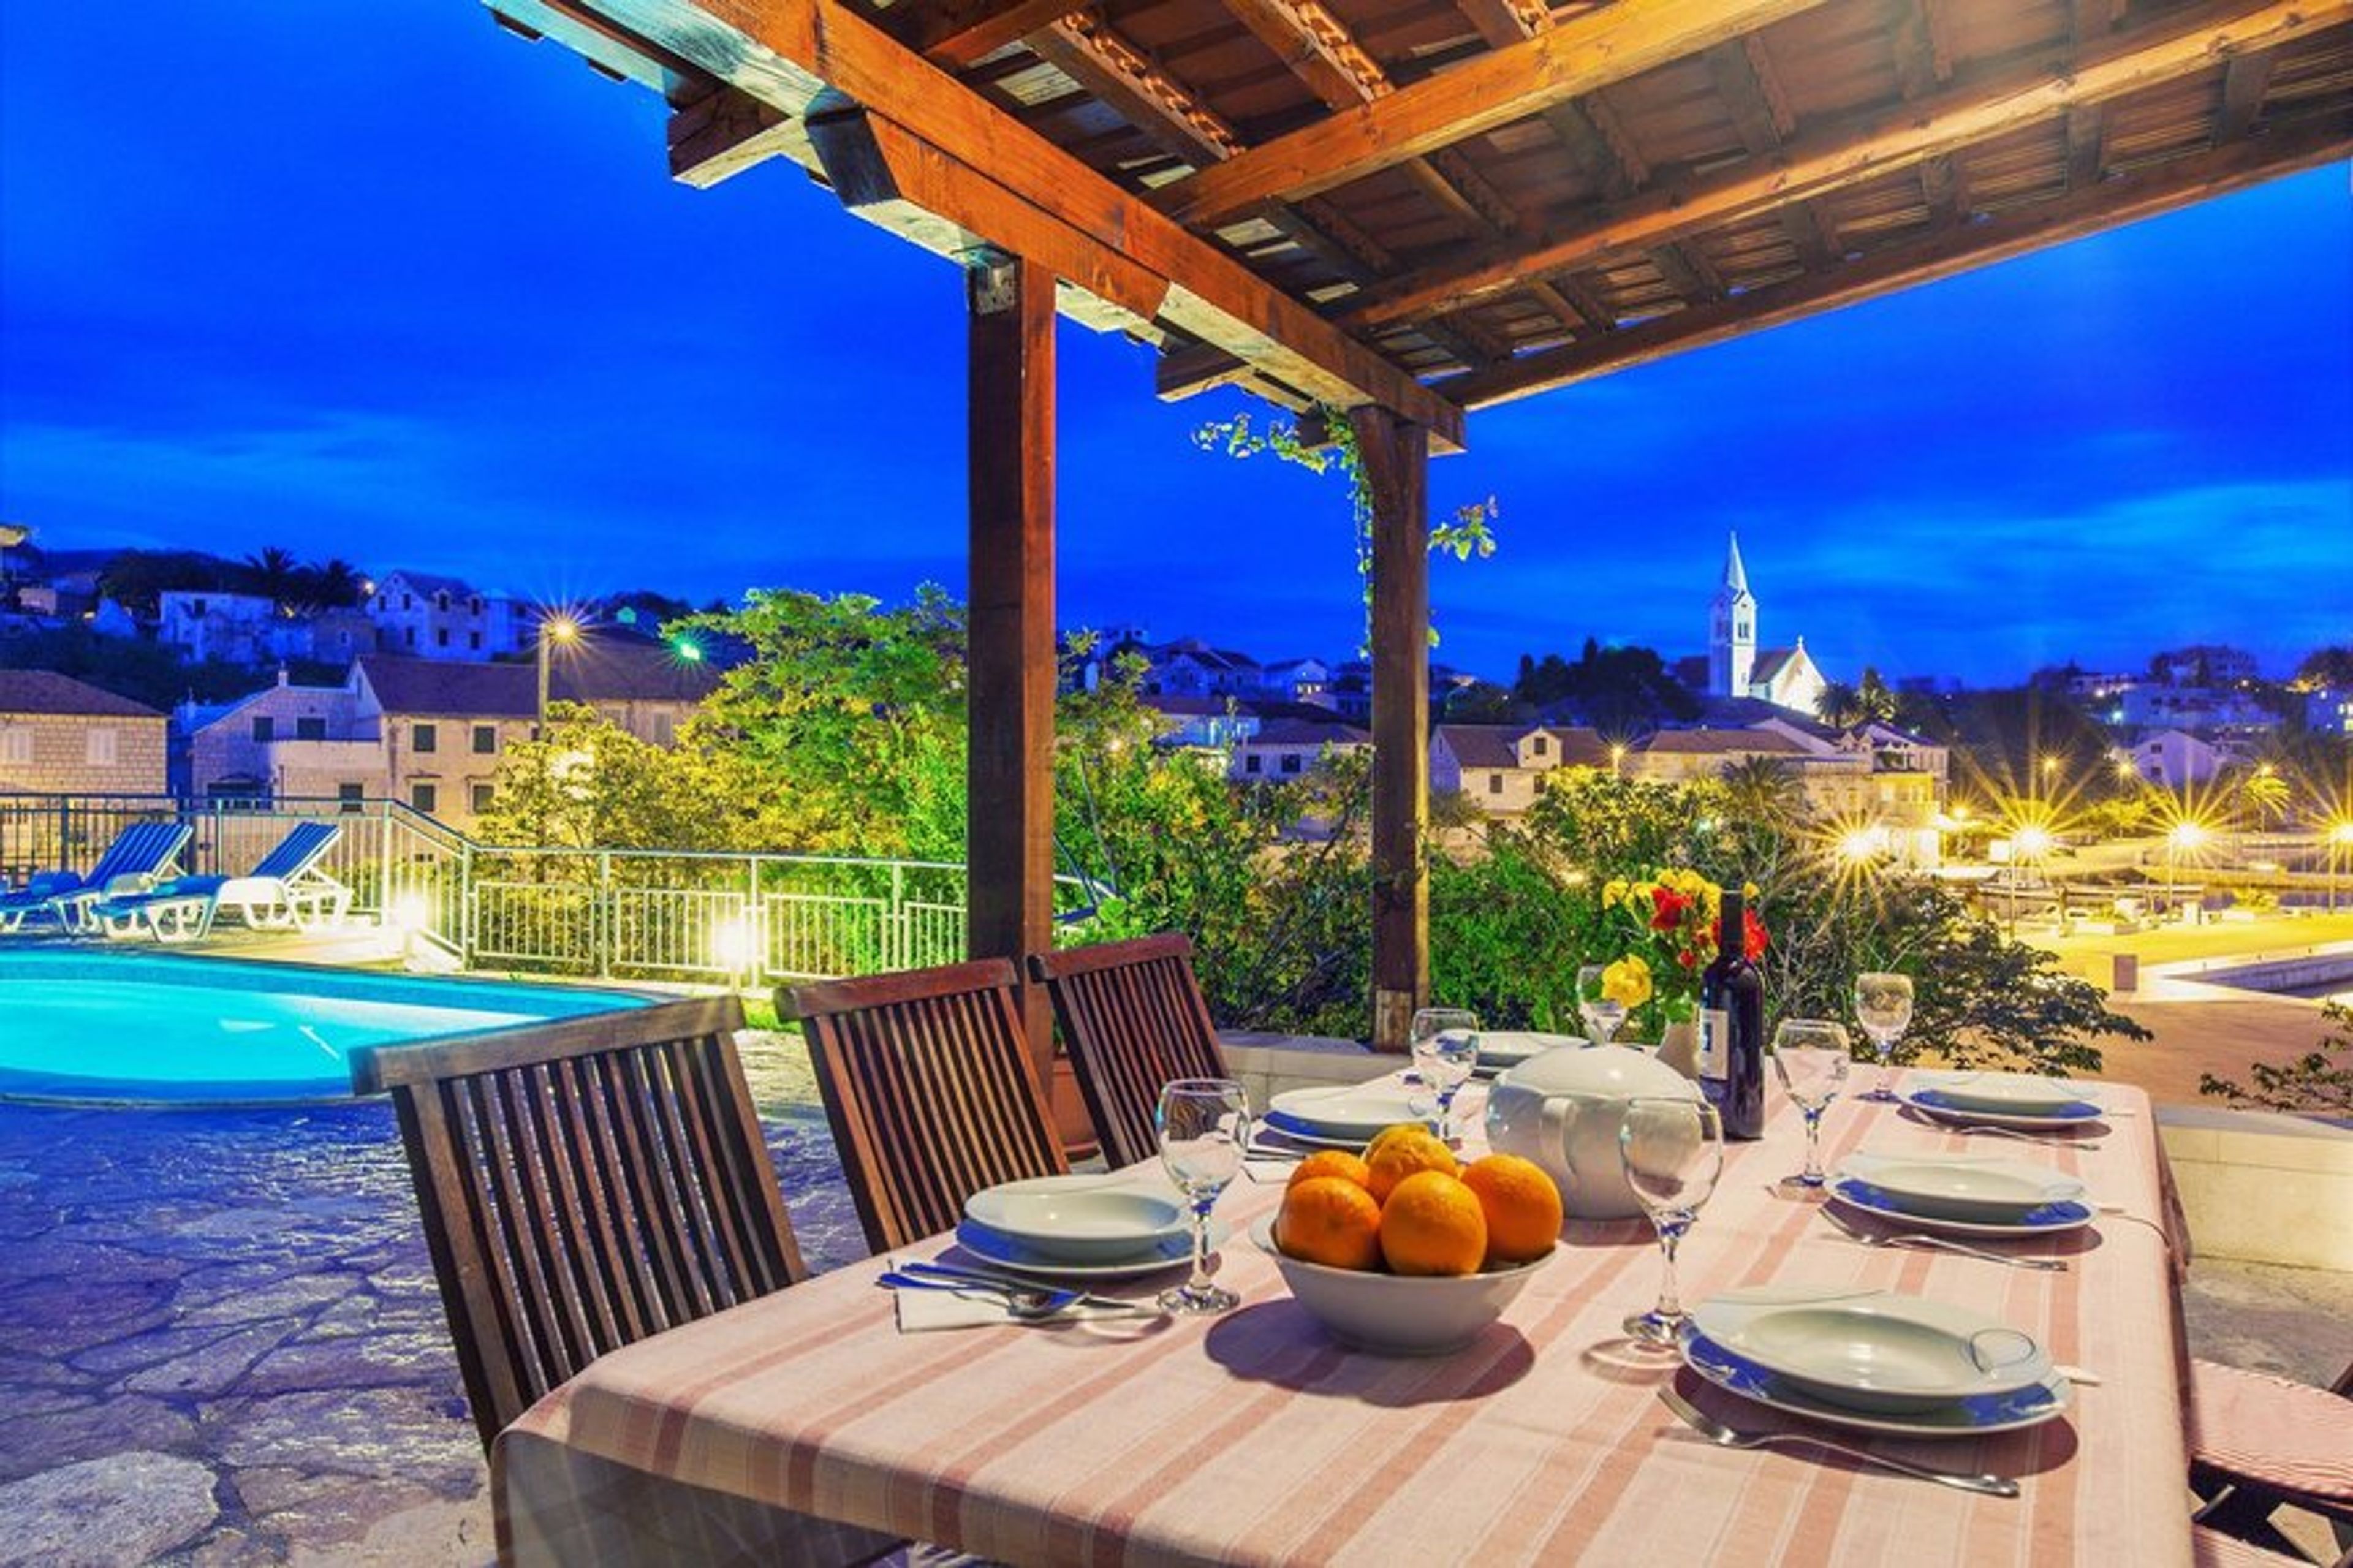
(2341, 833)
(410, 912)
(688, 651)
(731, 944)
(2187, 835)
(2032, 842)
(559, 627)
(1859, 845)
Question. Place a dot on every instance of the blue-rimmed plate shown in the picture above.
(1004, 1252)
(1942, 1107)
(1972, 1418)
(2044, 1219)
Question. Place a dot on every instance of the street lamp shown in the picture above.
(2340, 845)
(553, 628)
(2185, 837)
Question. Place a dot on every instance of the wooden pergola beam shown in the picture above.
(2175, 46)
(1397, 476)
(959, 33)
(2123, 199)
(719, 131)
(1483, 93)
(787, 52)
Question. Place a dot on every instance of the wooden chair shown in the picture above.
(584, 1184)
(2258, 1442)
(1133, 1018)
(930, 1091)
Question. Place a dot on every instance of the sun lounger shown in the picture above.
(140, 856)
(287, 888)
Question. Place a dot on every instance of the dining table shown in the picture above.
(809, 1424)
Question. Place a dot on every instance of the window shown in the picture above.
(441, 636)
(1254, 763)
(474, 606)
(425, 797)
(351, 796)
(196, 608)
(1495, 783)
(474, 639)
(442, 601)
(486, 740)
(408, 636)
(481, 795)
(265, 729)
(1290, 762)
(1540, 745)
(100, 748)
(409, 601)
(425, 738)
(16, 744)
(312, 728)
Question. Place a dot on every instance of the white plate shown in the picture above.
(1957, 1187)
(1269, 1141)
(1928, 1102)
(1081, 1219)
(1003, 1252)
(2050, 1220)
(1965, 1418)
(2015, 1094)
(1500, 1049)
(1876, 1351)
(1356, 1111)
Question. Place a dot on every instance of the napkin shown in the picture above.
(920, 1311)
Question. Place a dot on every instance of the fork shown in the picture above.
(1922, 1238)
(2047, 1140)
(1723, 1436)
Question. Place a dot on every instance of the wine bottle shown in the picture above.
(1731, 1028)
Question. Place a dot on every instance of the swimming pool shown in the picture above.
(149, 1028)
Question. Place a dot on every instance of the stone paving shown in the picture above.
(220, 1342)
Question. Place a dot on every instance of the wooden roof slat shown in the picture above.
(2245, 82)
(787, 52)
(1483, 93)
(2123, 199)
(718, 131)
(963, 32)
(1817, 163)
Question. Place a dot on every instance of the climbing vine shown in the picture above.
(1469, 532)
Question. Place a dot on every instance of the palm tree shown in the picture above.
(335, 583)
(1765, 790)
(275, 575)
(1839, 706)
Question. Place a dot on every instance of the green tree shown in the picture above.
(1765, 789)
(2319, 1081)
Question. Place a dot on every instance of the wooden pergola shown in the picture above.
(1403, 210)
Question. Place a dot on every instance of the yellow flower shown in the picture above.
(1748, 892)
(1627, 982)
(1613, 893)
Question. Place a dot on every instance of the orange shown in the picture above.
(1389, 1134)
(1331, 1163)
(1432, 1225)
(1522, 1205)
(1329, 1220)
(1401, 1155)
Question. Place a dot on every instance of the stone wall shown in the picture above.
(75, 753)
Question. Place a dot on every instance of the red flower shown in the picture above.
(1752, 935)
(1667, 908)
(1687, 958)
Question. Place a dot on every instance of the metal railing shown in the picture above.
(749, 920)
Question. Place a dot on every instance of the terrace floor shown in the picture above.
(220, 1341)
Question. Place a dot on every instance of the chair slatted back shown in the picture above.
(143, 849)
(930, 1091)
(300, 850)
(584, 1184)
(1133, 1018)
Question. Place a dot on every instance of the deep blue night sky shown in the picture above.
(416, 293)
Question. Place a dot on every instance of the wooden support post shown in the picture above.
(1397, 461)
(1009, 770)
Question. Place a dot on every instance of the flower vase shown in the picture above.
(1678, 1048)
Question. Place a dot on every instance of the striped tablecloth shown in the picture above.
(1253, 1439)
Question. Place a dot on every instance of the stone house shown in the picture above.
(1286, 748)
(234, 628)
(1501, 768)
(63, 736)
(421, 614)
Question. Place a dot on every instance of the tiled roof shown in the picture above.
(1721, 742)
(47, 692)
(596, 670)
(433, 583)
(1768, 663)
(1496, 745)
(1310, 732)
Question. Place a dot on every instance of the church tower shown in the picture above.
(1732, 629)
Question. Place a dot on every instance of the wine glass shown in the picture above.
(1812, 1057)
(1445, 1050)
(1205, 1125)
(1673, 1151)
(1603, 1014)
(1883, 1006)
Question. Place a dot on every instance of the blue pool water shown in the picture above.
(158, 1028)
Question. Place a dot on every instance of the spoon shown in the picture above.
(1716, 1432)
(1023, 1305)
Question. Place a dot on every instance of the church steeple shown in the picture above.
(1731, 628)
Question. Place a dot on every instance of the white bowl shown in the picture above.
(1081, 1219)
(1398, 1314)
